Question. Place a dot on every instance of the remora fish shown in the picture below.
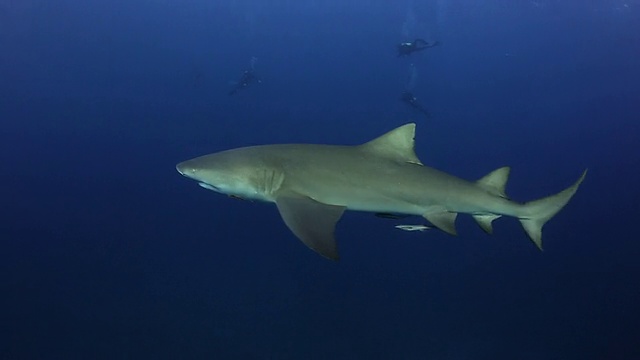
(312, 186)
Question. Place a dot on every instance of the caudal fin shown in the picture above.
(536, 213)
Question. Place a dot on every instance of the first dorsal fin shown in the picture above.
(495, 182)
(397, 144)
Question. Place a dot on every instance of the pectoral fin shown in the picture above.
(312, 222)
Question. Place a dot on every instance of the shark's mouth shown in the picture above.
(208, 187)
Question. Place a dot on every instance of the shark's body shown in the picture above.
(313, 185)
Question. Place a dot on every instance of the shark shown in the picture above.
(312, 185)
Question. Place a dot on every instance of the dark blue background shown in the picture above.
(107, 252)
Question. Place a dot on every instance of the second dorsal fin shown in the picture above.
(495, 182)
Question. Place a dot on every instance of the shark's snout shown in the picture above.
(180, 169)
(185, 170)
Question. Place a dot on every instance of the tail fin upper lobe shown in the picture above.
(536, 213)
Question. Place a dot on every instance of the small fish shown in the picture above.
(391, 216)
(413, 227)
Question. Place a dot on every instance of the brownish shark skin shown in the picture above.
(312, 185)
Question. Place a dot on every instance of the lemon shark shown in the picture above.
(312, 185)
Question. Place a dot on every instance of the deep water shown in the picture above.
(106, 252)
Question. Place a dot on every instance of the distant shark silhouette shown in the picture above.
(312, 186)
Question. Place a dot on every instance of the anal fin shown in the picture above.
(484, 220)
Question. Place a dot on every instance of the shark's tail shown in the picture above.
(536, 213)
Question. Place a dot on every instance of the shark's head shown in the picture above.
(232, 172)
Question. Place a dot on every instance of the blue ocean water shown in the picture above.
(108, 253)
